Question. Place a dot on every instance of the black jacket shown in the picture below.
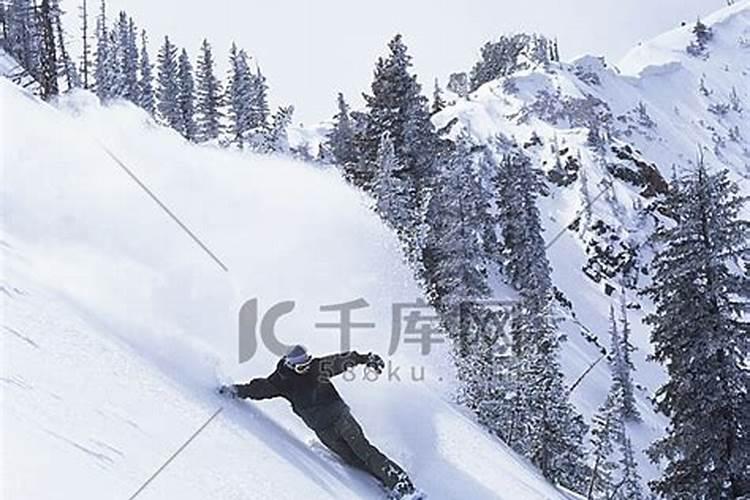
(312, 394)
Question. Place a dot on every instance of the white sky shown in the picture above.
(309, 50)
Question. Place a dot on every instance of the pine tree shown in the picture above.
(114, 51)
(104, 64)
(48, 52)
(620, 348)
(524, 262)
(186, 97)
(66, 67)
(629, 486)
(438, 103)
(130, 62)
(549, 432)
(277, 140)
(23, 35)
(700, 292)
(239, 94)
(3, 22)
(208, 105)
(124, 53)
(544, 426)
(509, 54)
(341, 136)
(606, 430)
(397, 106)
(455, 271)
(555, 51)
(610, 479)
(259, 111)
(623, 368)
(390, 190)
(85, 44)
(168, 86)
(146, 98)
(702, 35)
(457, 214)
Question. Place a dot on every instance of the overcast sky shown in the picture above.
(309, 50)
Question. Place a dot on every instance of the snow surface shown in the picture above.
(115, 323)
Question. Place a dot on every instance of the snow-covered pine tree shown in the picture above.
(458, 83)
(396, 105)
(239, 94)
(3, 22)
(624, 367)
(606, 429)
(129, 63)
(23, 35)
(186, 97)
(85, 45)
(524, 261)
(389, 190)
(457, 215)
(615, 342)
(146, 99)
(553, 50)
(548, 429)
(277, 140)
(455, 261)
(510, 53)
(209, 96)
(259, 110)
(104, 67)
(124, 54)
(341, 137)
(629, 486)
(66, 67)
(544, 426)
(438, 103)
(700, 293)
(118, 39)
(698, 47)
(48, 51)
(168, 86)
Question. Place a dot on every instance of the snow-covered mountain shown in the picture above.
(116, 323)
(609, 138)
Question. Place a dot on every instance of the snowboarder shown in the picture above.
(306, 383)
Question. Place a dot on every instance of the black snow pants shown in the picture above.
(345, 438)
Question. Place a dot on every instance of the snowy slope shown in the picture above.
(652, 118)
(115, 322)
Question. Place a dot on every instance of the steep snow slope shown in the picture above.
(115, 322)
(588, 126)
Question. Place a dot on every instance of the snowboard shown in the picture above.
(326, 454)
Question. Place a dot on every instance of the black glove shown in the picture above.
(372, 361)
(228, 390)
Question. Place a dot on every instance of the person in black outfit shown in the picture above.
(305, 382)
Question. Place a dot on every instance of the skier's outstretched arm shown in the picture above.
(257, 388)
(336, 364)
